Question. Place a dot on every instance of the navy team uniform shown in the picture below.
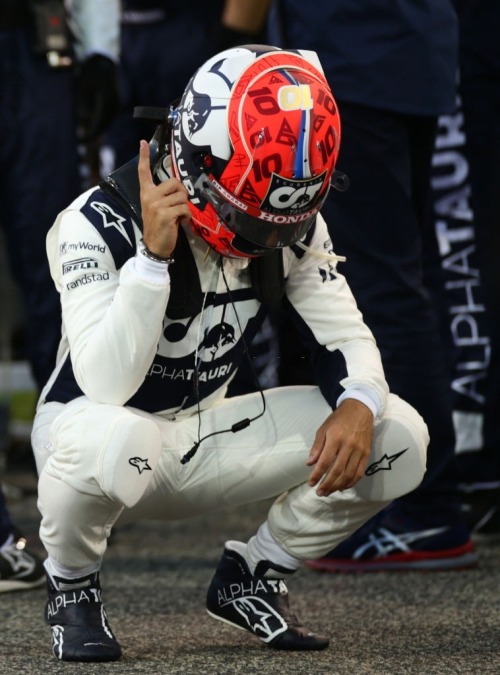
(393, 68)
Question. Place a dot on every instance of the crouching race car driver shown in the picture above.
(165, 273)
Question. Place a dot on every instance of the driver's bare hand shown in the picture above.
(164, 207)
(341, 448)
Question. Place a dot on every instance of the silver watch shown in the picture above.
(152, 256)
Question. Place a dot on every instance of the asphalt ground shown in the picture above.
(155, 578)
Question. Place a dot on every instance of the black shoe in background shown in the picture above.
(20, 568)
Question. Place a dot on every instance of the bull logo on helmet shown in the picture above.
(196, 116)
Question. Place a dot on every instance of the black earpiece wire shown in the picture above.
(241, 424)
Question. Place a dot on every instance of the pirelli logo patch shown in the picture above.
(79, 264)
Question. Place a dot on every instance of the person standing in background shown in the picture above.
(393, 67)
(45, 94)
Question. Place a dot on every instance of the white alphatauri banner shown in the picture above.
(463, 296)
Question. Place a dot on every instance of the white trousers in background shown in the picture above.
(100, 463)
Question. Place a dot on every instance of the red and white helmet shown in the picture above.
(255, 139)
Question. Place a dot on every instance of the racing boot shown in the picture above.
(257, 602)
(78, 621)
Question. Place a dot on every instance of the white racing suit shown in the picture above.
(143, 366)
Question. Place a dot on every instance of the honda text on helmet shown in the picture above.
(255, 139)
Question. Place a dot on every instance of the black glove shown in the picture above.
(225, 38)
(98, 97)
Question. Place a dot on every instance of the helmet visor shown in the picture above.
(259, 227)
